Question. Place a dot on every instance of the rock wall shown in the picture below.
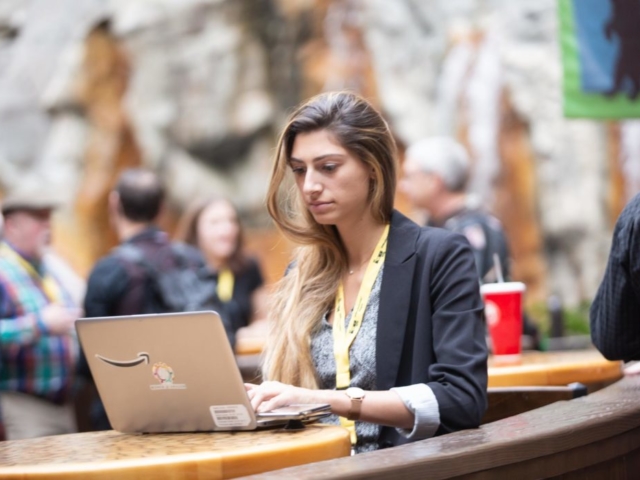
(490, 73)
(198, 89)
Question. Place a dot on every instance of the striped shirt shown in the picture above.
(33, 361)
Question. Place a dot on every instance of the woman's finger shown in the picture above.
(256, 399)
(269, 395)
(287, 396)
(273, 403)
(260, 395)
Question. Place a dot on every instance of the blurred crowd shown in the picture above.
(42, 366)
(204, 267)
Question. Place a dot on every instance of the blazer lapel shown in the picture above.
(395, 298)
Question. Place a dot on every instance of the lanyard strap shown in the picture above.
(46, 282)
(226, 281)
(343, 338)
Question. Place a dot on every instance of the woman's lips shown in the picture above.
(320, 207)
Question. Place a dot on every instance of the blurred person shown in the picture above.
(125, 281)
(76, 285)
(37, 313)
(615, 311)
(212, 225)
(121, 283)
(376, 316)
(435, 175)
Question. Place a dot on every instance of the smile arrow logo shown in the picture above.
(143, 357)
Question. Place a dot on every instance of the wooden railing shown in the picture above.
(597, 436)
(504, 402)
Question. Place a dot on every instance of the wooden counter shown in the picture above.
(556, 368)
(246, 345)
(593, 437)
(105, 455)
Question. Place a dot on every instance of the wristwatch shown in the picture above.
(356, 395)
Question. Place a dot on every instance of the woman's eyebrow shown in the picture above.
(318, 158)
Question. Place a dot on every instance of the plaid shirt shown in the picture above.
(33, 362)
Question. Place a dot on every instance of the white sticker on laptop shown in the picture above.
(165, 376)
(230, 415)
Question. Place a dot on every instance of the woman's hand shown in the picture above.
(270, 395)
(384, 408)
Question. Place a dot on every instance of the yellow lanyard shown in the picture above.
(342, 339)
(46, 282)
(225, 284)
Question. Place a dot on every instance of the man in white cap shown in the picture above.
(38, 348)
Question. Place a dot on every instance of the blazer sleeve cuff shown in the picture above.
(422, 402)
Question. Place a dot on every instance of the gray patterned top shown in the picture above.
(419, 398)
(362, 362)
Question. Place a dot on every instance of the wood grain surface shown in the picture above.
(506, 402)
(101, 455)
(593, 437)
(555, 368)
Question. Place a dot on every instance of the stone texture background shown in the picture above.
(198, 89)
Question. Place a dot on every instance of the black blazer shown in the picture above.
(431, 325)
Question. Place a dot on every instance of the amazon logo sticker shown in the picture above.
(162, 372)
(143, 357)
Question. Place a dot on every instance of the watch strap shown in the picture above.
(355, 408)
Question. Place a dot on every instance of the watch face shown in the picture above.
(355, 392)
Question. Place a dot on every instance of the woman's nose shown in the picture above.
(311, 183)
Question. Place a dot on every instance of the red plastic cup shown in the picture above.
(503, 312)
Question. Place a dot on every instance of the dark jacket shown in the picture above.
(486, 237)
(431, 325)
(615, 311)
(120, 287)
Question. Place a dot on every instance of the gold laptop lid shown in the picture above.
(166, 373)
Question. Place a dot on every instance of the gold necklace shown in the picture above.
(352, 271)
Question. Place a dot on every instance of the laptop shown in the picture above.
(174, 372)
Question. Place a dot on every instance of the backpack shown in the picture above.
(180, 285)
(494, 238)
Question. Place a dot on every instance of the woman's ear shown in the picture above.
(372, 184)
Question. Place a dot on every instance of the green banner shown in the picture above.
(600, 42)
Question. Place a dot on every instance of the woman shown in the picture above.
(413, 338)
(212, 225)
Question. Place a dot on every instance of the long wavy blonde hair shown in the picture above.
(307, 292)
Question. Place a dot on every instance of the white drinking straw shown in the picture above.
(498, 266)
